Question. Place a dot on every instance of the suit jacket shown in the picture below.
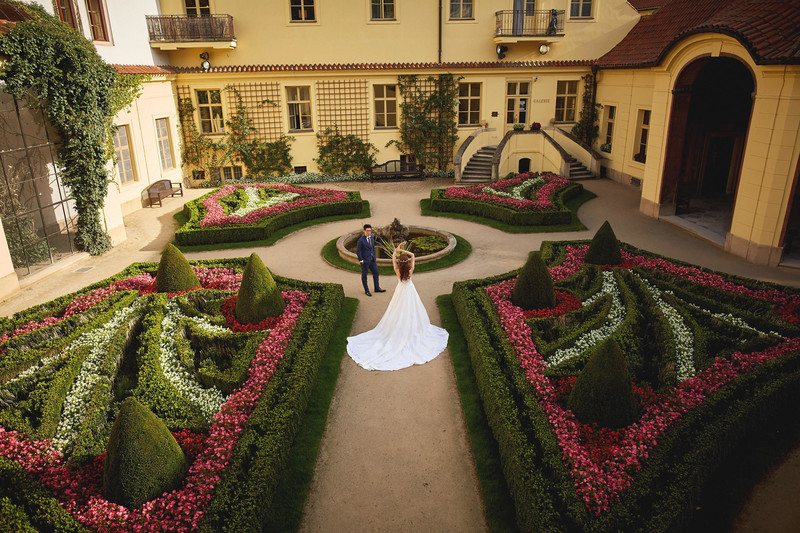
(364, 251)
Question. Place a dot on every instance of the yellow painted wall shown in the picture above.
(9, 283)
(344, 33)
(157, 101)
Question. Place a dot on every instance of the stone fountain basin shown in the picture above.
(349, 239)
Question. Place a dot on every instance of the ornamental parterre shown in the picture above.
(275, 198)
(687, 334)
(524, 192)
(44, 350)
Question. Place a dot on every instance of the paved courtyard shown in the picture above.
(395, 455)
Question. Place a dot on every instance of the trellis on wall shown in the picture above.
(344, 105)
(263, 104)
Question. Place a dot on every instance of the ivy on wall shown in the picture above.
(51, 65)
(429, 128)
(344, 154)
(587, 128)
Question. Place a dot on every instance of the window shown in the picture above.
(460, 9)
(643, 131)
(530, 6)
(566, 100)
(164, 144)
(299, 100)
(196, 8)
(382, 9)
(97, 21)
(303, 10)
(66, 13)
(580, 8)
(385, 106)
(469, 104)
(123, 150)
(517, 93)
(611, 113)
(209, 106)
(230, 173)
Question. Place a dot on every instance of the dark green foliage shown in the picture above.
(48, 63)
(534, 287)
(143, 459)
(604, 248)
(603, 393)
(175, 274)
(258, 297)
(343, 154)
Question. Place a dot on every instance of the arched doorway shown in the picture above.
(524, 165)
(712, 103)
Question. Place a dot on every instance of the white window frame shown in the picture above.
(217, 124)
(563, 99)
(643, 118)
(120, 150)
(470, 99)
(460, 4)
(517, 98)
(164, 144)
(581, 5)
(381, 4)
(296, 104)
(304, 6)
(201, 8)
(385, 100)
(610, 120)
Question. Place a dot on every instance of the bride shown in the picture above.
(405, 335)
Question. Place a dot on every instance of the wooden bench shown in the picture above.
(396, 169)
(161, 189)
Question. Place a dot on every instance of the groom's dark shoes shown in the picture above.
(380, 290)
(368, 293)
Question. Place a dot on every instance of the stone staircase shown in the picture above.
(577, 171)
(479, 166)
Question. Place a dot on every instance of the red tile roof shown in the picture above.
(384, 66)
(144, 69)
(769, 29)
(645, 4)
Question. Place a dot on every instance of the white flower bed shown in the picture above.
(520, 192)
(255, 201)
(613, 321)
(681, 335)
(98, 341)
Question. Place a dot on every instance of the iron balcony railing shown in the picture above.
(182, 28)
(529, 23)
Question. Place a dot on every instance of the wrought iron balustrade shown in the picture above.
(182, 28)
(529, 23)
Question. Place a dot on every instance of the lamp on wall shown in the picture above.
(544, 49)
(205, 64)
(501, 50)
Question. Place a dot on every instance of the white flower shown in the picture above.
(520, 192)
(255, 201)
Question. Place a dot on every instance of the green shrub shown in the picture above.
(258, 296)
(143, 459)
(534, 287)
(603, 392)
(174, 272)
(14, 517)
(604, 248)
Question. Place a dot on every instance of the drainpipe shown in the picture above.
(440, 31)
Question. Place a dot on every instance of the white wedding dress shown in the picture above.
(403, 337)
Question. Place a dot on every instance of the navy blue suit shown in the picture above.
(365, 250)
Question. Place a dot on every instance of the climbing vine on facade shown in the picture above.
(344, 154)
(49, 64)
(429, 128)
(587, 128)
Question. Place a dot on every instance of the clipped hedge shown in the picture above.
(560, 214)
(663, 495)
(193, 234)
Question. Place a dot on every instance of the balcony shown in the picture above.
(543, 26)
(173, 32)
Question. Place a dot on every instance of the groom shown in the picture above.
(365, 250)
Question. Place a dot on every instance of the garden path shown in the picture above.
(395, 454)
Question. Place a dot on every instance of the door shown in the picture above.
(517, 99)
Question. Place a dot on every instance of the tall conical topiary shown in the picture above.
(175, 274)
(534, 287)
(143, 459)
(604, 248)
(603, 391)
(258, 296)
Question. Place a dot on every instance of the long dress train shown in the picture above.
(403, 337)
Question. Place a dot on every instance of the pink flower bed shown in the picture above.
(552, 183)
(602, 462)
(183, 508)
(215, 212)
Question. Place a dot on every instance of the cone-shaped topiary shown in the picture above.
(143, 459)
(258, 296)
(603, 391)
(534, 287)
(175, 274)
(604, 248)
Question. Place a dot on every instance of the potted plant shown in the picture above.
(605, 148)
(518, 127)
(640, 157)
(536, 126)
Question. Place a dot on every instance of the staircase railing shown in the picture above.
(467, 150)
(581, 151)
(538, 145)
